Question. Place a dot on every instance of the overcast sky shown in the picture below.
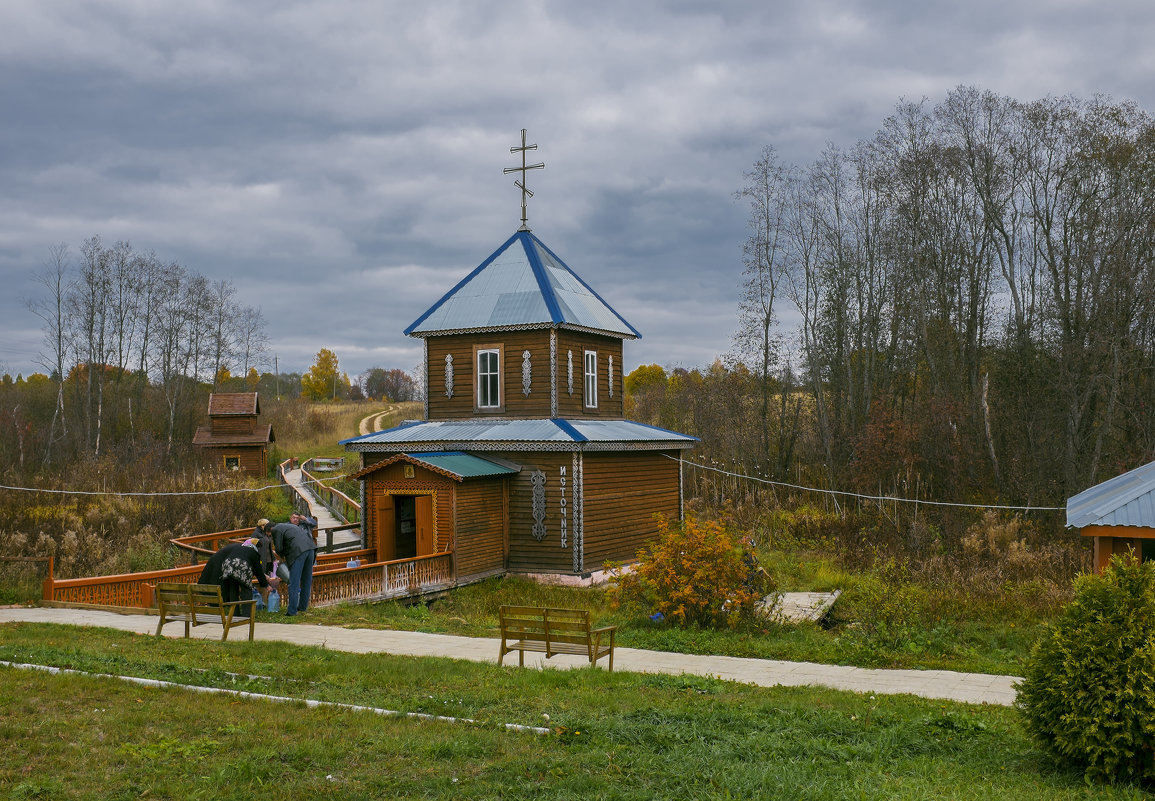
(341, 162)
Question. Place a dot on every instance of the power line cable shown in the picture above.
(878, 498)
(226, 491)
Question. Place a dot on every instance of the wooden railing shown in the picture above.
(400, 578)
(332, 582)
(335, 501)
(126, 590)
(216, 541)
(297, 499)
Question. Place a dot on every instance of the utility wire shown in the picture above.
(878, 498)
(163, 494)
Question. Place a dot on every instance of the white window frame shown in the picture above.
(496, 404)
(590, 379)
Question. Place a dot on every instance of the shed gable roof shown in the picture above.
(522, 285)
(1125, 500)
(222, 404)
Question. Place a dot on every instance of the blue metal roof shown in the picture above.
(477, 433)
(1125, 500)
(523, 284)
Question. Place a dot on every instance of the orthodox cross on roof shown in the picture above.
(525, 193)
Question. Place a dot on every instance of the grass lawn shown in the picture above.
(616, 735)
(980, 645)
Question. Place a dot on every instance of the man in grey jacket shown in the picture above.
(305, 522)
(298, 550)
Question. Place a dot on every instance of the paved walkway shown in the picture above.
(976, 688)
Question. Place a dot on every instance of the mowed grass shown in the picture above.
(980, 644)
(611, 735)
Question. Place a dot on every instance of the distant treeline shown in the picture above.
(130, 343)
(964, 301)
(133, 345)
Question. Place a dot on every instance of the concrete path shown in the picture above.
(975, 688)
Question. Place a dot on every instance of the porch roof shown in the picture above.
(1125, 500)
(454, 464)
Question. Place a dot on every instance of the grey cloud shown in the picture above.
(351, 153)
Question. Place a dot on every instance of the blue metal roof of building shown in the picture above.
(498, 434)
(522, 285)
(1125, 500)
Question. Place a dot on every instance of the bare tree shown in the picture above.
(767, 190)
(52, 311)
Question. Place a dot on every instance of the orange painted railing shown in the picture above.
(400, 578)
(332, 582)
(127, 590)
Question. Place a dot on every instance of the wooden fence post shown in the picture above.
(47, 588)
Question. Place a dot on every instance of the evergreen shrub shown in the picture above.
(1088, 695)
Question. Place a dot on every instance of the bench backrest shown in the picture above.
(568, 625)
(191, 598)
(174, 598)
(537, 623)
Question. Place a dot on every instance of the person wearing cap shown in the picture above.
(298, 550)
(264, 544)
(233, 569)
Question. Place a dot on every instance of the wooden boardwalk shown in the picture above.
(317, 510)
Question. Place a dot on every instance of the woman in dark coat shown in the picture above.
(234, 567)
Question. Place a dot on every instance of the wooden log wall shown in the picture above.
(233, 425)
(515, 403)
(481, 513)
(573, 405)
(252, 459)
(526, 553)
(622, 493)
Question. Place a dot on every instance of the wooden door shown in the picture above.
(424, 504)
(385, 520)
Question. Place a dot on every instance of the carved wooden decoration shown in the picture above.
(562, 505)
(526, 373)
(611, 371)
(578, 514)
(537, 481)
(449, 375)
(569, 369)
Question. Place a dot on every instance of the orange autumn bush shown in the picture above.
(694, 574)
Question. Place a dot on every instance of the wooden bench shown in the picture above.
(553, 631)
(198, 604)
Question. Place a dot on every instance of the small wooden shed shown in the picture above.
(1119, 514)
(234, 439)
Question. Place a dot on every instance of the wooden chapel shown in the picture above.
(524, 462)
